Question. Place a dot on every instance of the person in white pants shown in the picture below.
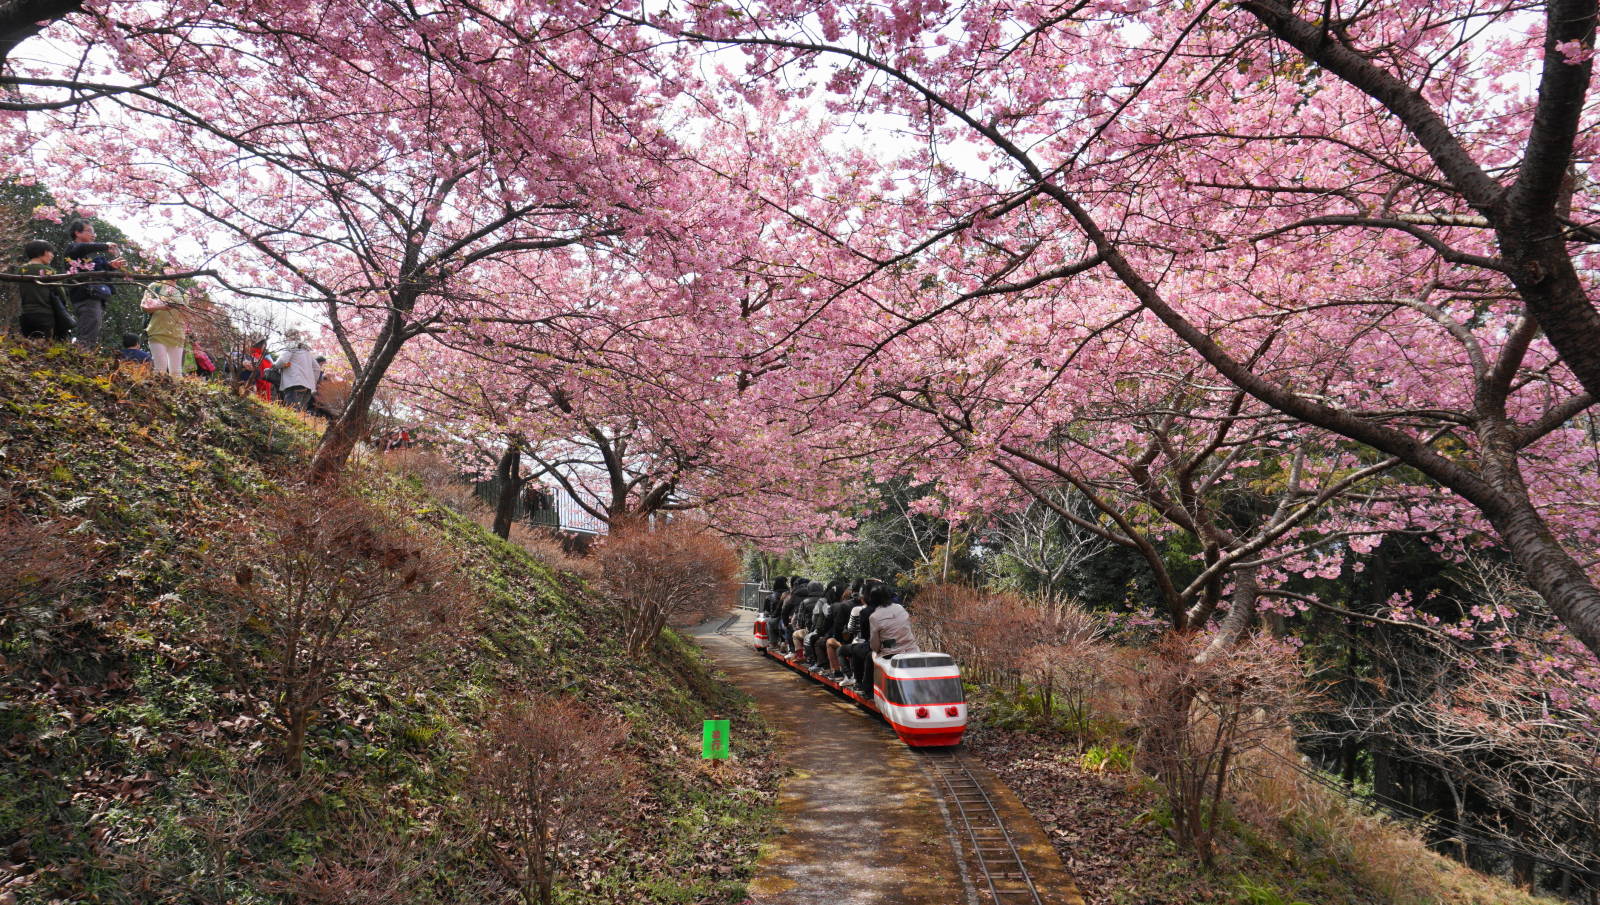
(166, 330)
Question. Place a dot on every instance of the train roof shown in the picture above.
(920, 666)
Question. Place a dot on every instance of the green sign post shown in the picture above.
(714, 742)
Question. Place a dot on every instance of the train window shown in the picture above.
(924, 691)
(912, 661)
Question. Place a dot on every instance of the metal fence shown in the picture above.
(545, 507)
(750, 595)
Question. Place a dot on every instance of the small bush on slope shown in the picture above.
(136, 767)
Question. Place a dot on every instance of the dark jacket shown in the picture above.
(791, 602)
(819, 605)
(38, 299)
(90, 256)
(774, 600)
(865, 632)
(839, 618)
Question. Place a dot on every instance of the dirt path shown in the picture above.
(861, 822)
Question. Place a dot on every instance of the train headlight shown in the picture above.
(952, 710)
(922, 713)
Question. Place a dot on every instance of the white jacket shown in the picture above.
(299, 369)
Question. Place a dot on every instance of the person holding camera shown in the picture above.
(89, 300)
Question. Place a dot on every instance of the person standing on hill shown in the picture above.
(297, 373)
(89, 300)
(253, 366)
(44, 305)
(166, 330)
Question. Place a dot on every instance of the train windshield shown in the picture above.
(925, 691)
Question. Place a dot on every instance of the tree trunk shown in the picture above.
(509, 475)
(20, 21)
(345, 431)
(294, 742)
(1241, 614)
(1551, 571)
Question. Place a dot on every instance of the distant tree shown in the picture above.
(1034, 550)
(893, 539)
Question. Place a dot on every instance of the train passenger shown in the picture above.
(821, 620)
(891, 631)
(859, 651)
(791, 601)
(802, 620)
(839, 622)
(854, 630)
(774, 599)
(770, 605)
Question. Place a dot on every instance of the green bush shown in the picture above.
(1114, 758)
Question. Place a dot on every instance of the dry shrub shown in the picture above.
(1269, 792)
(367, 863)
(1053, 647)
(233, 814)
(329, 590)
(1384, 857)
(42, 562)
(441, 479)
(546, 775)
(670, 572)
(545, 547)
(1196, 720)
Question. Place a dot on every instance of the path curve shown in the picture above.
(861, 822)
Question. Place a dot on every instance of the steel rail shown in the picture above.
(993, 850)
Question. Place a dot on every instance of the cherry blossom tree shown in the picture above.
(385, 166)
(1226, 171)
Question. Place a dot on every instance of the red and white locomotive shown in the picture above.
(919, 694)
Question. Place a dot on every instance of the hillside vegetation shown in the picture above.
(140, 755)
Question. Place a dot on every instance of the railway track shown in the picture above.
(991, 852)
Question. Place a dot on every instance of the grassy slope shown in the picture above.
(132, 769)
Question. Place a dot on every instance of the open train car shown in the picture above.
(919, 695)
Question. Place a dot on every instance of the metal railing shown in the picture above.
(751, 594)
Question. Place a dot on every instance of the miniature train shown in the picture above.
(919, 695)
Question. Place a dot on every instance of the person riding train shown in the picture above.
(858, 640)
(859, 651)
(821, 619)
(804, 612)
(838, 626)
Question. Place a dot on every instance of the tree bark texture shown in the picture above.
(22, 19)
(509, 475)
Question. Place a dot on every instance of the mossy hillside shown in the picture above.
(134, 767)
